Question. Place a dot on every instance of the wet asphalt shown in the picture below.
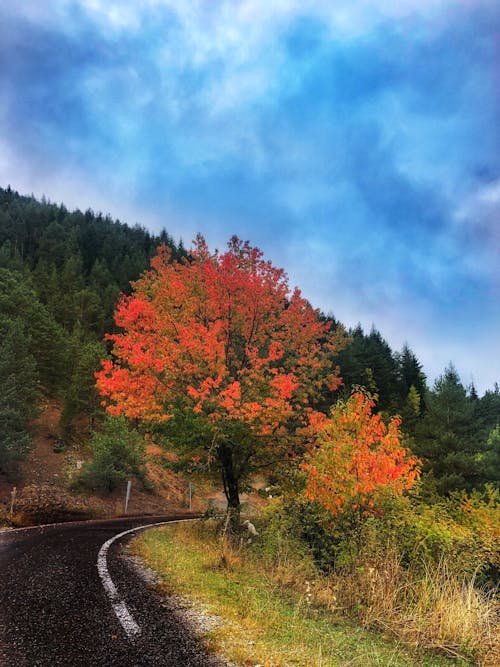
(54, 610)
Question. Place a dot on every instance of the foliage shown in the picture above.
(220, 338)
(464, 530)
(445, 438)
(19, 379)
(273, 609)
(369, 362)
(62, 271)
(44, 339)
(118, 453)
(427, 574)
(490, 459)
(81, 396)
(357, 458)
(60, 275)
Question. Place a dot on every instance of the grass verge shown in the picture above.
(263, 623)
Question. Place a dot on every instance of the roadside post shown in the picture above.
(127, 495)
(12, 500)
(191, 489)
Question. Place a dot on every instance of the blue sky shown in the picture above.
(357, 142)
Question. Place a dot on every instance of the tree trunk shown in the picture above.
(231, 486)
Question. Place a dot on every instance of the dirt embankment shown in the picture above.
(43, 493)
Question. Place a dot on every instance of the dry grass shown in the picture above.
(279, 616)
(432, 609)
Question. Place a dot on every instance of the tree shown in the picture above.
(487, 413)
(81, 396)
(46, 340)
(357, 459)
(368, 361)
(217, 352)
(445, 437)
(490, 460)
(118, 453)
(410, 373)
(18, 396)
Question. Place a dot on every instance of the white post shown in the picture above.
(190, 494)
(12, 500)
(127, 496)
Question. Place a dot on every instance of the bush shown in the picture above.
(280, 544)
(118, 454)
(415, 571)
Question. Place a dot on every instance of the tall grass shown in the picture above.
(271, 606)
(414, 572)
(430, 606)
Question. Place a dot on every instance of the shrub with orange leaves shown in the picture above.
(357, 458)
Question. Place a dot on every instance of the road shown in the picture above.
(58, 609)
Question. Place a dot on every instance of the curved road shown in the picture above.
(58, 609)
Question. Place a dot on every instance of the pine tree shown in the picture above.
(19, 393)
(490, 460)
(445, 438)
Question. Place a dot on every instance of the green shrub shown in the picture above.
(118, 454)
(464, 530)
(423, 573)
(280, 544)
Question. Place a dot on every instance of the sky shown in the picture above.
(356, 142)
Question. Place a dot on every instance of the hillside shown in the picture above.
(61, 274)
(42, 492)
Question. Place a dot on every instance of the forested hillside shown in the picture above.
(60, 275)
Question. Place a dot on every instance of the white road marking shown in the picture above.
(120, 608)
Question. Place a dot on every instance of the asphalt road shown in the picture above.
(55, 610)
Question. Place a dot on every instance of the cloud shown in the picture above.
(356, 142)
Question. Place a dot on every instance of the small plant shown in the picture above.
(358, 460)
(269, 608)
(58, 446)
(118, 454)
(414, 571)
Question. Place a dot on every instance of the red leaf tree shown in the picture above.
(357, 459)
(219, 353)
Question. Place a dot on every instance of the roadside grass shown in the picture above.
(262, 621)
(430, 607)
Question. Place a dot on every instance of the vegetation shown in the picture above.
(357, 459)
(238, 359)
(267, 597)
(60, 275)
(18, 396)
(118, 453)
(389, 522)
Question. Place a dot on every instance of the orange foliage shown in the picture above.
(221, 335)
(358, 458)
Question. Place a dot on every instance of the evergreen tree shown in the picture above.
(487, 413)
(445, 438)
(46, 340)
(490, 461)
(81, 397)
(368, 361)
(410, 374)
(10, 257)
(19, 393)
(118, 454)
